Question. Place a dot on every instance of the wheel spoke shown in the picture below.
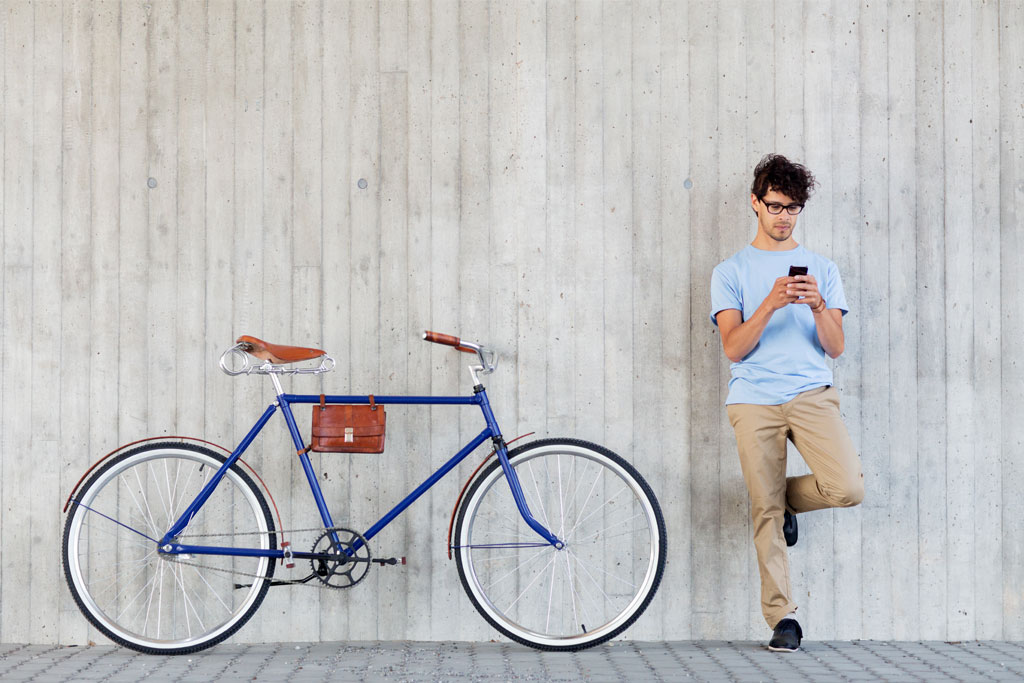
(578, 590)
(530, 585)
(551, 596)
(515, 569)
(593, 536)
(143, 507)
(540, 498)
(607, 502)
(184, 498)
(158, 488)
(137, 574)
(586, 501)
(227, 608)
(561, 499)
(572, 589)
(113, 532)
(513, 522)
(583, 565)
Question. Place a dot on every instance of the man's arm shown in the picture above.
(828, 321)
(830, 331)
(739, 336)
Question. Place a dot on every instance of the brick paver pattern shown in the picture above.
(487, 662)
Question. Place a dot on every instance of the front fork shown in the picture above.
(510, 474)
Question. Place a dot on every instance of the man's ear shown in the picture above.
(753, 202)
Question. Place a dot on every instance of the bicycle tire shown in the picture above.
(154, 603)
(614, 555)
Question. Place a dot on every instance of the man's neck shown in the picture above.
(766, 243)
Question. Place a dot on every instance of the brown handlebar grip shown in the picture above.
(446, 339)
(439, 338)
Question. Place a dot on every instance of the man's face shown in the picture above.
(777, 227)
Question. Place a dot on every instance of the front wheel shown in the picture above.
(160, 603)
(585, 593)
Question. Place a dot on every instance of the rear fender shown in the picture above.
(119, 449)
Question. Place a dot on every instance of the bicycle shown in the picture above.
(559, 543)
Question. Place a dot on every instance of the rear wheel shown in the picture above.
(585, 593)
(159, 603)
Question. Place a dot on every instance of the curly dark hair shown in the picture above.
(776, 172)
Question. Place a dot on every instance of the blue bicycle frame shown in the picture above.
(284, 401)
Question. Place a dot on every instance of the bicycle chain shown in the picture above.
(321, 529)
(232, 572)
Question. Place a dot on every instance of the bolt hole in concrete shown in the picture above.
(362, 183)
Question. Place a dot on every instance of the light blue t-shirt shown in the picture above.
(788, 359)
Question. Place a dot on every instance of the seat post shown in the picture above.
(277, 383)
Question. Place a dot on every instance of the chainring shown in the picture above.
(352, 563)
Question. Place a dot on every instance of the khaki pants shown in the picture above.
(812, 422)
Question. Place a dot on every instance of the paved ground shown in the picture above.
(622, 661)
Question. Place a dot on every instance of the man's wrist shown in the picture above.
(819, 309)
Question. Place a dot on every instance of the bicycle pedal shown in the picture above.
(388, 560)
(288, 559)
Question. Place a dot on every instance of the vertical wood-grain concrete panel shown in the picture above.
(673, 438)
(19, 266)
(847, 198)
(901, 205)
(43, 390)
(1011, 289)
(931, 340)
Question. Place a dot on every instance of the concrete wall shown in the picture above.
(558, 180)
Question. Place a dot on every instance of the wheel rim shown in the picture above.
(130, 591)
(588, 591)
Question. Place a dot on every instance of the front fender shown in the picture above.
(462, 493)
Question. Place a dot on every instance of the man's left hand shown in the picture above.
(806, 288)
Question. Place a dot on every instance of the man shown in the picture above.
(777, 328)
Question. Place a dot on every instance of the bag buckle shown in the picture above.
(349, 435)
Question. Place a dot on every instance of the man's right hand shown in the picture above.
(739, 336)
(778, 298)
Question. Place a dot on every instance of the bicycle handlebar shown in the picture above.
(488, 358)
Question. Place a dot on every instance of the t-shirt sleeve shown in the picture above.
(833, 292)
(724, 291)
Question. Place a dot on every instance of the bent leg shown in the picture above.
(761, 440)
(821, 437)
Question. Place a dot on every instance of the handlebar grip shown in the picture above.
(438, 338)
(447, 340)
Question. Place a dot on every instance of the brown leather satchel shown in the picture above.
(348, 428)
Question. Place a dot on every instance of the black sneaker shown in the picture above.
(786, 637)
(789, 529)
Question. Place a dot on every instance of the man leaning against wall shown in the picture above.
(779, 309)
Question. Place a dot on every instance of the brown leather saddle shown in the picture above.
(277, 353)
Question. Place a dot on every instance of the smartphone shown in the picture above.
(797, 270)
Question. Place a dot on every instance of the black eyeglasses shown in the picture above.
(774, 208)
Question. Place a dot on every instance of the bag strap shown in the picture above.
(373, 403)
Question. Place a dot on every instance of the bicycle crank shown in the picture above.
(342, 563)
